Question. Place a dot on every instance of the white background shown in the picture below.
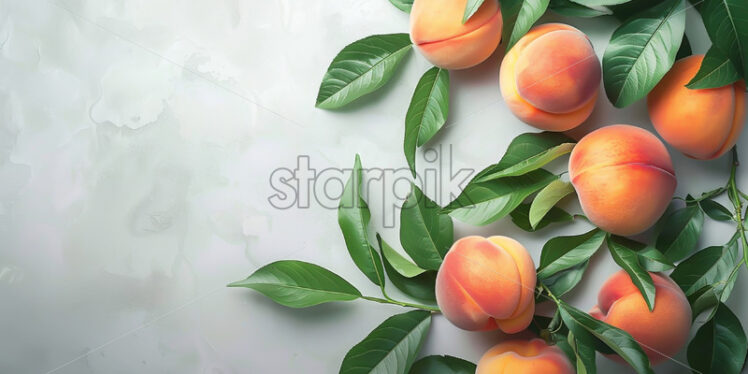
(136, 143)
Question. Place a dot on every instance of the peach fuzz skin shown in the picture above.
(437, 31)
(663, 332)
(526, 357)
(624, 178)
(550, 79)
(703, 124)
(487, 283)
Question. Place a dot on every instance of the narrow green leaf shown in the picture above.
(353, 218)
(717, 70)
(547, 198)
(641, 51)
(481, 203)
(584, 354)
(509, 12)
(628, 260)
(427, 112)
(569, 8)
(685, 48)
(680, 232)
(710, 266)
(471, 7)
(521, 217)
(298, 284)
(720, 345)
(653, 260)
(404, 5)
(726, 22)
(715, 210)
(527, 152)
(442, 365)
(404, 266)
(360, 68)
(616, 339)
(529, 13)
(710, 296)
(391, 348)
(420, 286)
(564, 281)
(564, 252)
(426, 235)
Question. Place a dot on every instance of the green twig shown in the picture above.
(401, 303)
(737, 202)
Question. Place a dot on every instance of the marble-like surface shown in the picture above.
(137, 141)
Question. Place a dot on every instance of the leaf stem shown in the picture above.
(737, 202)
(401, 303)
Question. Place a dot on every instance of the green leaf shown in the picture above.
(680, 232)
(481, 203)
(621, 342)
(719, 346)
(402, 265)
(427, 112)
(600, 2)
(626, 10)
(360, 68)
(509, 12)
(529, 13)
(442, 365)
(726, 22)
(547, 198)
(710, 266)
(710, 296)
(569, 8)
(641, 51)
(353, 218)
(653, 260)
(715, 210)
(471, 7)
(685, 48)
(628, 260)
(584, 354)
(420, 286)
(565, 280)
(298, 284)
(717, 70)
(391, 347)
(527, 152)
(564, 252)
(404, 5)
(521, 217)
(426, 235)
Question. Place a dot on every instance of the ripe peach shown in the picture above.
(703, 124)
(661, 332)
(624, 178)
(551, 77)
(437, 30)
(526, 357)
(487, 283)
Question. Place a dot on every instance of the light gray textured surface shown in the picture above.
(137, 139)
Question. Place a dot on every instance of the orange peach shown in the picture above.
(624, 178)
(437, 30)
(526, 357)
(551, 77)
(487, 283)
(701, 123)
(661, 332)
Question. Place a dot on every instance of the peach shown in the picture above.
(551, 77)
(624, 178)
(661, 332)
(701, 123)
(487, 283)
(526, 357)
(437, 30)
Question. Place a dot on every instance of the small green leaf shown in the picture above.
(404, 5)
(529, 13)
(715, 210)
(564, 252)
(420, 286)
(442, 365)
(481, 203)
(710, 296)
(569, 8)
(653, 260)
(710, 266)
(527, 152)
(298, 284)
(717, 70)
(720, 345)
(471, 7)
(353, 218)
(564, 281)
(584, 354)
(427, 112)
(680, 232)
(621, 342)
(628, 260)
(426, 235)
(360, 68)
(404, 266)
(547, 198)
(641, 51)
(685, 48)
(391, 347)
(521, 217)
(727, 25)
